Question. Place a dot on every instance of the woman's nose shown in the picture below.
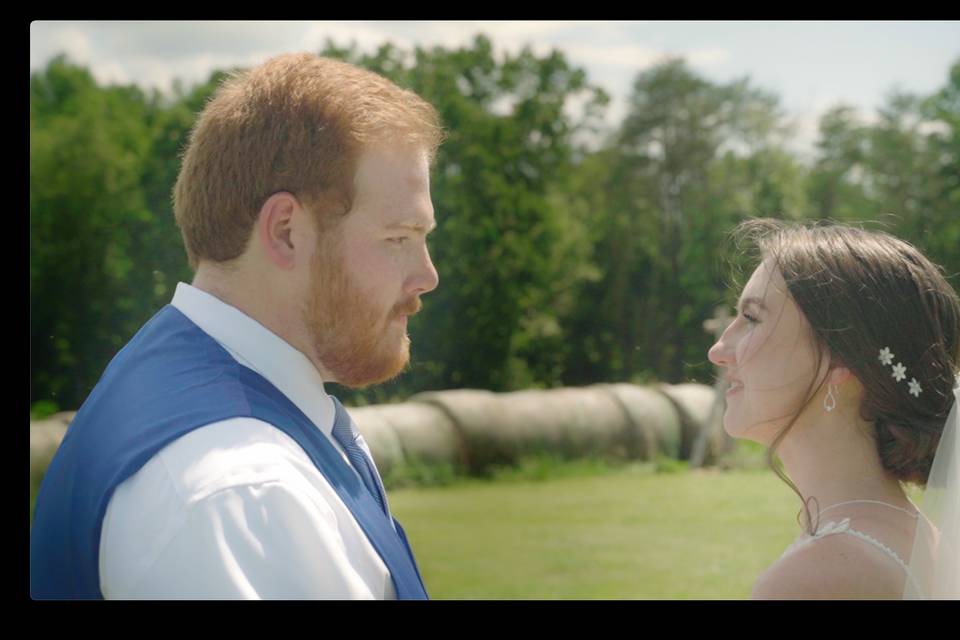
(716, 354)
(720, 353)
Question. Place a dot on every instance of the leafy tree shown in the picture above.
(899, 173)
(87, 214)
(105, 253)
(665, 216)
(558, 265)
(835, 185)
(942, 113)
(509, 259)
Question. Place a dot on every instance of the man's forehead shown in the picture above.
(385, 174)
(399, 161)
(392, 184)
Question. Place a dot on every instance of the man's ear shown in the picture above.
(277, 229)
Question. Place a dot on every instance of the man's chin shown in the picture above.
(367, 381)
(378, 373)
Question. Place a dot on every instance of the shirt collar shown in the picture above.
(258, 348)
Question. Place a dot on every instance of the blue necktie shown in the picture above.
(347, 435)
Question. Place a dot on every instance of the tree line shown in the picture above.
(561, 262)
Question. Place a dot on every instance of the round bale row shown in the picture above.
(474, 429)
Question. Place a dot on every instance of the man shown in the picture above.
(209, 462)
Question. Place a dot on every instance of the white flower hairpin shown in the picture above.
(899, 371)
(915, 388)
(885, 356)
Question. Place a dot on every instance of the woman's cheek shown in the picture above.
(746, 350)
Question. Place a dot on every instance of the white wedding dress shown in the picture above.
(933, 569)
(842, 527)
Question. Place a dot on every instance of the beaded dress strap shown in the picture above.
(843, 526)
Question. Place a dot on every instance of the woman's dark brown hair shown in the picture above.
(862, 291)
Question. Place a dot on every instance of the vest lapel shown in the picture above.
(392, 548)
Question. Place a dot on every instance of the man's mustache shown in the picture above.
(408, 308)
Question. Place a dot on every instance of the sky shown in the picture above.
(810, 65)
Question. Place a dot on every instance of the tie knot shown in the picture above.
(343, 429)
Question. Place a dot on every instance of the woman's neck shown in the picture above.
(833, 458)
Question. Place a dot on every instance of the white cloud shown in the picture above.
(806, 121)
(633, 56)
(938, 127)
(805, 135)
(708, 57)
(506, 35)
(47, 40)
(153, 53)
(637, 57)
(367, 36)
(110, 73)
(176, 40)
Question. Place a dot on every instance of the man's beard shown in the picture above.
(353, 338)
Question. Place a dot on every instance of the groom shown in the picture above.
(209, 462)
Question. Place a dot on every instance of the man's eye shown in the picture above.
(399, 240)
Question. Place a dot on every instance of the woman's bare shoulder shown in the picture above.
(829, 568)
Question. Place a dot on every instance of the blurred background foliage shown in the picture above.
(566, 257)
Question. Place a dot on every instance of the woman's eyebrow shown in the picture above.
(752, 300)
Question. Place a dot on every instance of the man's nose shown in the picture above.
(426, 278)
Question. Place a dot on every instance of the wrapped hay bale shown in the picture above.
(500, 428)
(474, 414)
(575, 421)
(654, 422)
(425, 432)
(382, 439)
(45, 438)
(391, 431)
(476, 429)
(694, 403)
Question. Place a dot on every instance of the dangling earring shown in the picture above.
(830, 402)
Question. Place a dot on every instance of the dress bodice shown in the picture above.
(842, 527)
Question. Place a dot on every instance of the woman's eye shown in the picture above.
(399, 240)
(749, 318)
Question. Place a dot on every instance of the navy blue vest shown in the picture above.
(170, 379)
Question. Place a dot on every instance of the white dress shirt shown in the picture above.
(236, 509)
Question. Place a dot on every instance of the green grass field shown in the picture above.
(628, 533)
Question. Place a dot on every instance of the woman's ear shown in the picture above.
(838, 375)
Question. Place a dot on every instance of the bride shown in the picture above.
(843, 359)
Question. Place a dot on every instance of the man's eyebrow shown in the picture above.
(413, 225)
(751, 300)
